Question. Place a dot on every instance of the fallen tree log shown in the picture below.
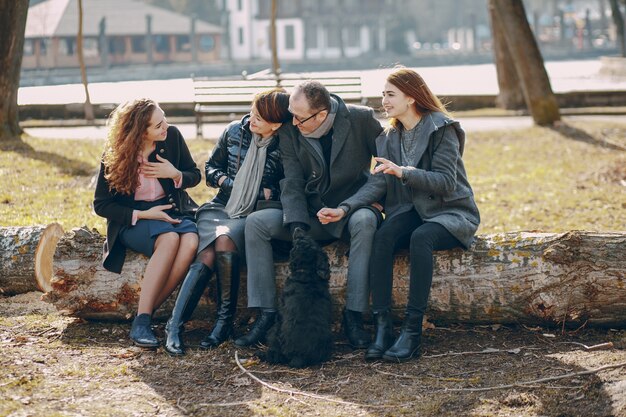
(26, 257)
(535, 278)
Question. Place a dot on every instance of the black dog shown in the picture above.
(302, 334)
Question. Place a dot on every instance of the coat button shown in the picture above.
(176, 209)
(173, 204)
(431, 197)
(171, 200)
(162, 151)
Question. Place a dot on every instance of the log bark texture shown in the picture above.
(26, 257)
(534, 278)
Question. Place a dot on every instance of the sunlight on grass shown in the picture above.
(531, 179)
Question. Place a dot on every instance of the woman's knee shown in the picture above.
(168, 240)
(225, 244)
(188, 243)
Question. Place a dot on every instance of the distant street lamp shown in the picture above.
(273, 43)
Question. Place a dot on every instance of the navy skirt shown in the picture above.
(142, 236)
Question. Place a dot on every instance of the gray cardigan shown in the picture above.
(438, 185)
(309, 184)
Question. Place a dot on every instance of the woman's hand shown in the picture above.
(158, 213)
(330, 215)
(387, 167)
(162, 169)
(267, 193)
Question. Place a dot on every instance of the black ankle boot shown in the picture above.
(384, 336)
(227, 273)
(188, 296)
(259, 330)
(141, 333)
(408, 344)
(355, 332)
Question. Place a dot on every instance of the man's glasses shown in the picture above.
(303, 121)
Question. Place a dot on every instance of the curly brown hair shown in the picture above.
(127, 125)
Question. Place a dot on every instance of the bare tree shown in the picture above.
(526, 57)
(618, 19)
(81, 60)
(13, 23)
(510, 94)
(273, 43)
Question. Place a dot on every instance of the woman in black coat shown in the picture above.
(245, 166)
(145, 169)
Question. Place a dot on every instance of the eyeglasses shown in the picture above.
(303, 121)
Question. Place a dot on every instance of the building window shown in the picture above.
(117, 46)
(240, 5)
(354, 36)
(183, 44)
(311, 35)
(67, 46)
(207, 43)
(138, 44)
(29, 47)
(162, 44)
(240, 31)
(43, 46)
(90, 47)
(334, 34)
(290, 37)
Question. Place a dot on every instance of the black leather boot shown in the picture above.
(408, 344)
(186, 301)
(227, 274)
(141, 333)
(259, 330)
(383, 338)
(355, 332)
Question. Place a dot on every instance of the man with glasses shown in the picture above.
(327, 153)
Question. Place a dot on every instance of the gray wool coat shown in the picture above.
(309, 184)
(438, 185)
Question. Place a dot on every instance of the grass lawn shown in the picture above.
(567, 178)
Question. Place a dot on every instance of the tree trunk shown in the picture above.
(510, 94)
(13, 23)
(528, 62)
(26, 255)
(534, 278)
(81, 59)
(618, 19)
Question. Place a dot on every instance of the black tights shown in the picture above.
(422, 238)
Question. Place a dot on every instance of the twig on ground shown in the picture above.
(476, 352)
(304, 394)
(600, 346)
(537, 381)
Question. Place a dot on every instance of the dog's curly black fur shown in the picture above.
(302, 335)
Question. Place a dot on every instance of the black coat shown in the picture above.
(228, 155)
(118, 208)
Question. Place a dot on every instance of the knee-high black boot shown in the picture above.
(408, 344)
(227, 273)
(188, 296)
(383, 338)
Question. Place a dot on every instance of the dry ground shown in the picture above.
(59, 366)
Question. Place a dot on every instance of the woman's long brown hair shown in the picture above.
(413, 85)
(127, 126)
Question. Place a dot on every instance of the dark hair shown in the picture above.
(272, 105)
(316, 94)
(413, 85)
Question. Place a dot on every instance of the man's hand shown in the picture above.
(330, 215)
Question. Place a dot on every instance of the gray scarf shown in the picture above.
(327, 124)
(248, 179)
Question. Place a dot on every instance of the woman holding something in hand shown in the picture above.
(246, 167)
(145, 169)
(429, 205)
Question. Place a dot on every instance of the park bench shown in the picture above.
(219, 97)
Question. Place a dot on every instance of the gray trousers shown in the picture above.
(264, 225)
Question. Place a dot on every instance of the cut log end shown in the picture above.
(44, 256)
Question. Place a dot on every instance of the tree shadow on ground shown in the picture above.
(456, 361)
(580, 135)
(66, 165)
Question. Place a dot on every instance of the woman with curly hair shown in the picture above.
(245, 166)
(144, 171)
